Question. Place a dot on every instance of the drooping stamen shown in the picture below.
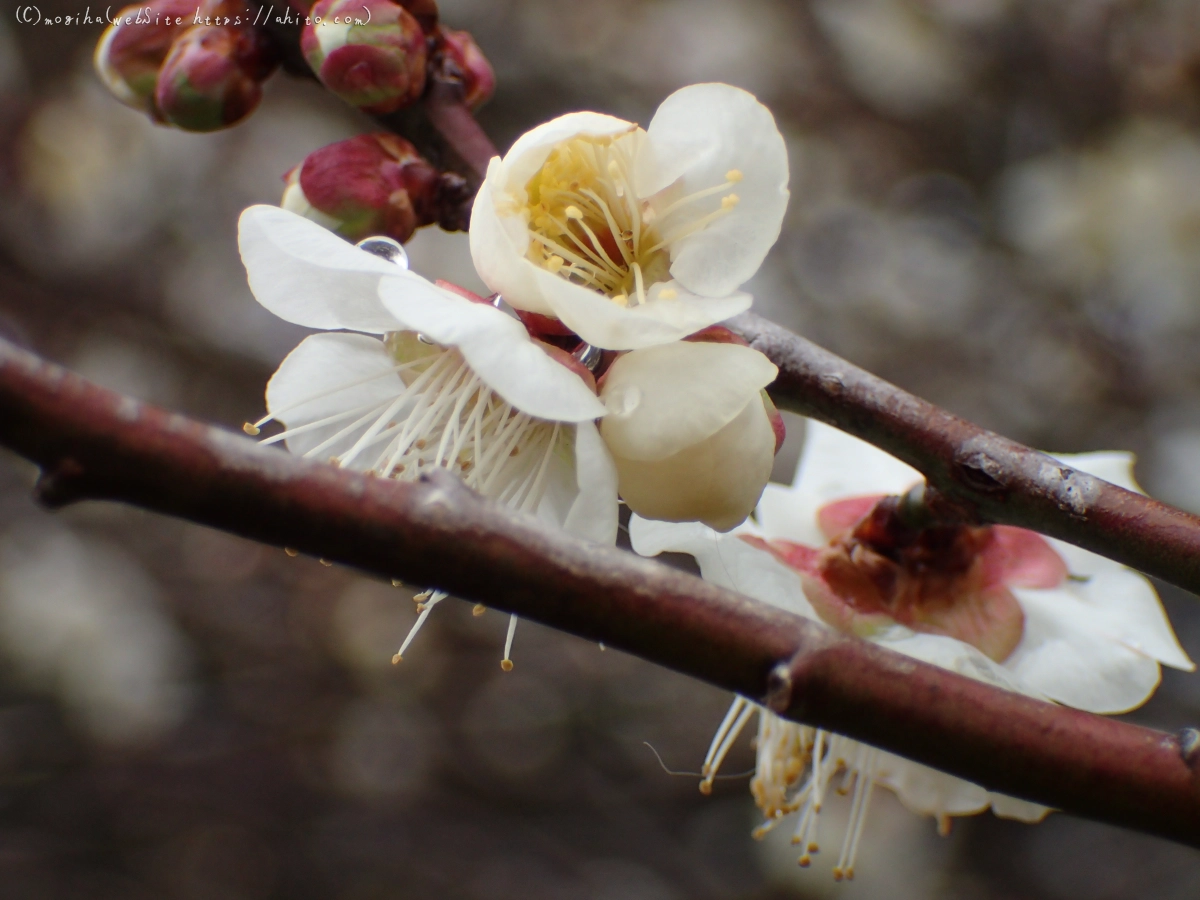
(426, 608)
(717, 751)
(506, 663)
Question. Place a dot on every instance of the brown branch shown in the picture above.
(979, 474)
(94, 444)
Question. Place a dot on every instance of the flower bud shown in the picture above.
(212, 77)
(366, 185)
(478, 79)
(132, 50)
(371, 53)
(688, 431)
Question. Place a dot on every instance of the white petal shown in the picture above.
(833, 466)
(1122, 604)
(1064, 656)
(954, 655)
(528, 154)
(495, 345)
(664, 399)
(305, 388)
(603, 323)
(927, 791)
(717, 481)
(308, 275)
(1022, 810)
(593, 514)
(701, 132)
(498, 247)
(724, 560)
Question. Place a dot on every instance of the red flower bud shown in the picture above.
(478, 79)
(371, 53)
(211, 78)
(368, 185)
(133, 48)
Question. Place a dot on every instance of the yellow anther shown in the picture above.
(734, 175)
(290, 552)
(805, 861)
(706, 786)
(396, 582)
(837, 873)
(554, 263)
(506, 665)
(397, 658)
(621, 300)
(613, 169)
(729, 201)
(251, 429)
(573, 212)
(325, 562)
(478, 609)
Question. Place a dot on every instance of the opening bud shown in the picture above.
(212, 77)
(468, 63)
(132, 50)
(371, 53)
(366, 185)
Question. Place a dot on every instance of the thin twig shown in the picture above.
(94, 444)
(979, 474)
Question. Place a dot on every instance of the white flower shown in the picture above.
(1089, 632)
(454, 383)
(689, 430)
(635, 238)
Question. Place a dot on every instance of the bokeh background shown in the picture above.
(995, 204)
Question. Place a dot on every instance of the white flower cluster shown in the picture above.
(619, 251)
(617, 247)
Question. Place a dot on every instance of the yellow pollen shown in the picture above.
(734, 175)
(706, 786)
(506, 665)
(478, 609)
(290, 552)
(729, 202)
(805, 861)
(251, 429)
(397, 658)
(621, 300)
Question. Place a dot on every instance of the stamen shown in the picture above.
(436, 598)
(506, 664)
(712, 765)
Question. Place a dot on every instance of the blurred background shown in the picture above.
(995, 204)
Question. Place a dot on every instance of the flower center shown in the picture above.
(943, 579)
(588, 226)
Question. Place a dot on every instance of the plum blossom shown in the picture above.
(691, 431)
(406, 376)
(1001, 605)
(633, 237)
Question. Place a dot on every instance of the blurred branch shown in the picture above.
(93, 444)
(977, 474)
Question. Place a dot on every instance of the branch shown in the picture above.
(94, 444)
(981, 475)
